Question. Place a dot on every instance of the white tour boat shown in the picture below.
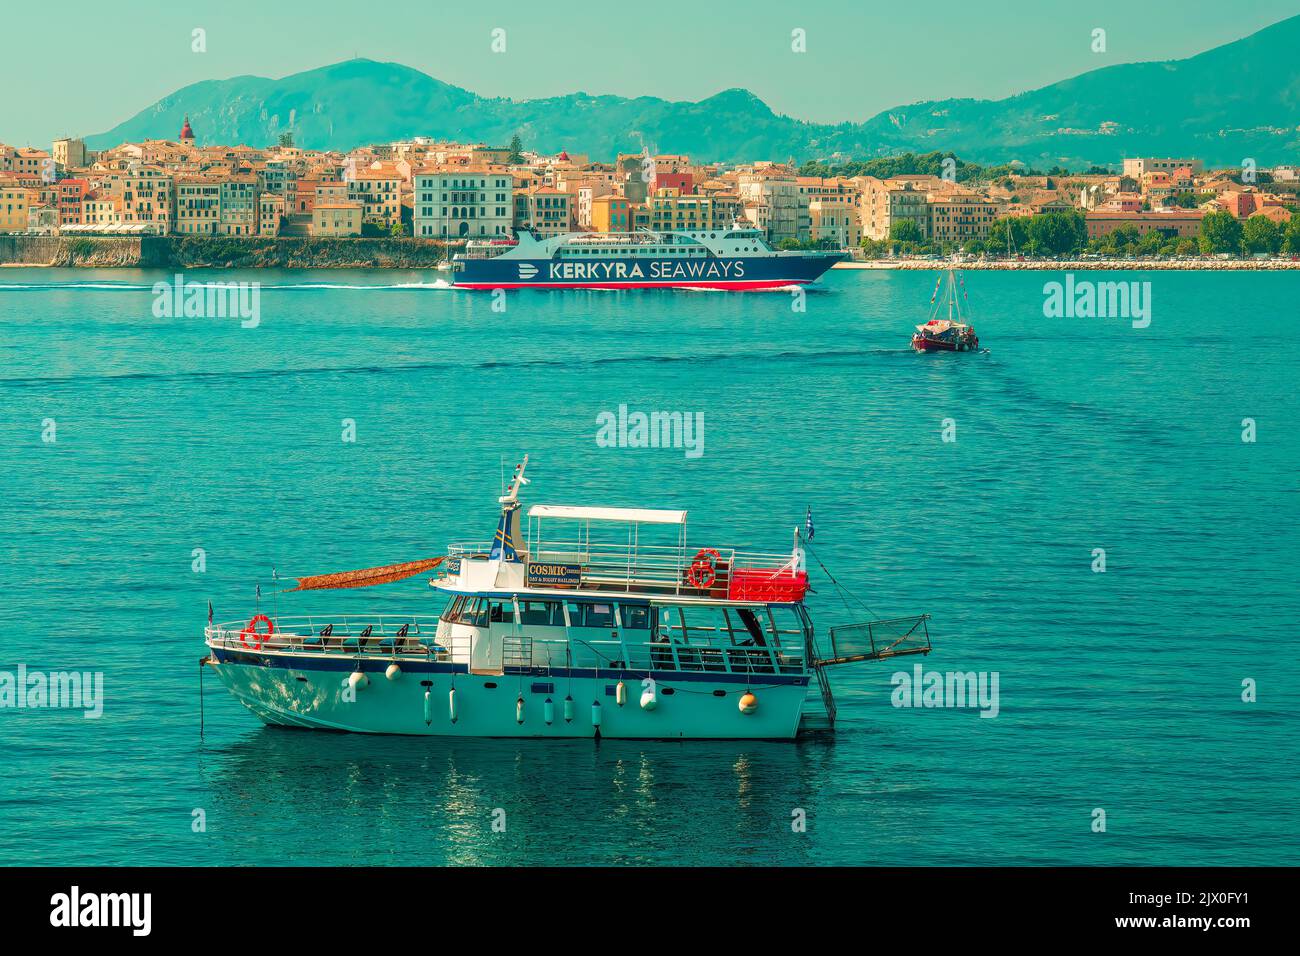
(594, 630)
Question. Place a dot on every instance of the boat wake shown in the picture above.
(800, 356)
(437, 285)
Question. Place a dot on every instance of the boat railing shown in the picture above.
(696, 656)
(406, 637)
(628, 567)
(876, 640)
(399, 635)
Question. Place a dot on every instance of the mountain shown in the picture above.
(1235, 101)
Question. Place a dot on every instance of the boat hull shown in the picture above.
(733, 274)
(930, 345)
(313, 692)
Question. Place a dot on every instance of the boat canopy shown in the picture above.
(632, 515)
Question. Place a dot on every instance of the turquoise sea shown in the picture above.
(1120, 691)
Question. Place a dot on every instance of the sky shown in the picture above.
(83, 71)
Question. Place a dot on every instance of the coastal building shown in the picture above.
(547, 212)
(1140, 166)
(304, 196)
(635, 172)
(27, 161)
(465, 202)
(13, 208)
(99, 210)
(336, 219)
(146, 195)
(670, 210)
(961, 217)
(833, 220)
(43, 220)
(237, 209)
(884, 202)
(378, 192)
(198, 206)
(1173, 224)
(270, 214)
(772, 200)
(280, 177)
(72, 194)
(611, 214)
(69, 153)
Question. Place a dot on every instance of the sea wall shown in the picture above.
(227, 252)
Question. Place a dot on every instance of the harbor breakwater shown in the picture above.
(224, 252)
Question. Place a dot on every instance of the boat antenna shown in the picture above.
(511, 496)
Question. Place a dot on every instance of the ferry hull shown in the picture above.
(736, 273)
(313, 693)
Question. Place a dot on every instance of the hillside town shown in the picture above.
(452, 192)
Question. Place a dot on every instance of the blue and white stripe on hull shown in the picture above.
(756, 272)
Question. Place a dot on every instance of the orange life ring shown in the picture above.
(251, 630)
(702, 572)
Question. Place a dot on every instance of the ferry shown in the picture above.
(736, 258)
(602, 623)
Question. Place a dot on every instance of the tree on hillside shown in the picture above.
(1261, 234)
(516, 156)
(1291, 235)
(1220, 233)
(286, 140)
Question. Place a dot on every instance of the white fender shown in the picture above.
(548, 711)
(649, 699)
(393, 672)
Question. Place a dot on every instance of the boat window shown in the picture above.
(788, 625)
(546, 613)
(670, 625)
(751, 628)
(583, 614)
(501, 612)
(706, 625)
(451, 612)
(474, 612)
(635, 617)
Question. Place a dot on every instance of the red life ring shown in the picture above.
(251, 630)
(702, 572)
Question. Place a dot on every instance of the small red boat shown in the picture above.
(941, 335)
(950, 334)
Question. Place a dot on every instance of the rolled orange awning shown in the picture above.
(366, 577)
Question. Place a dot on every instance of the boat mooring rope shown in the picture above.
(845, 594)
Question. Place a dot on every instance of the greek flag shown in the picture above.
(808, 525)
(209, 614)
